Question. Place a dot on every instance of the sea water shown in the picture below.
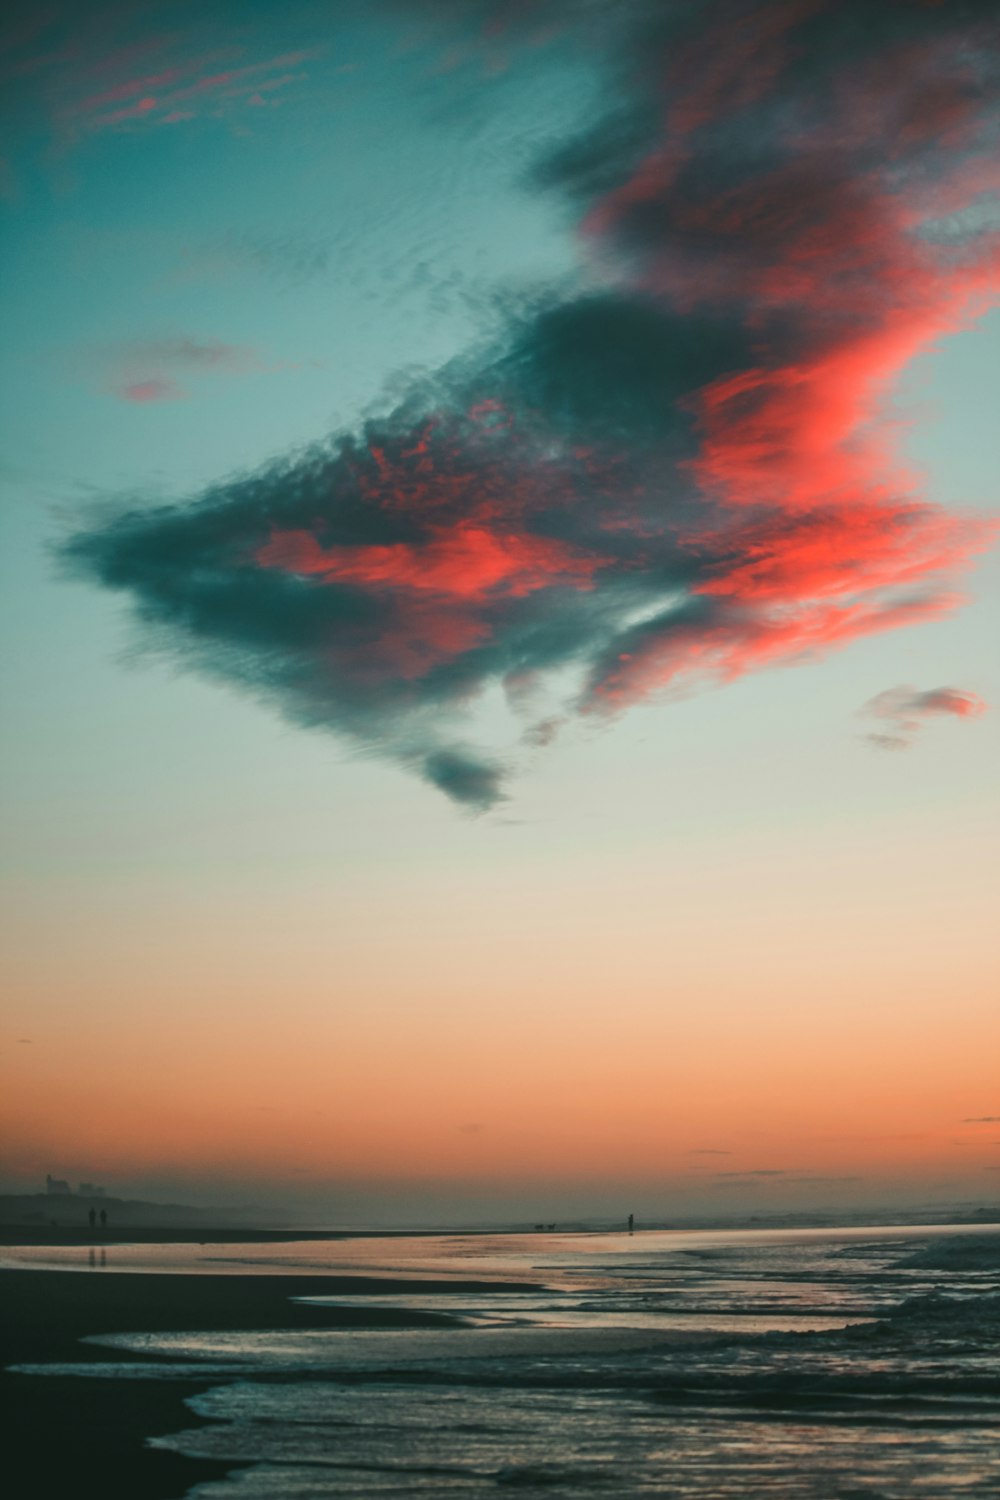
(822, 1365)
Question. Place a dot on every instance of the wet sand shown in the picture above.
(113, 1234)
(78, 1438)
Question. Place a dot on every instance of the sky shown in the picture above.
(499, 551)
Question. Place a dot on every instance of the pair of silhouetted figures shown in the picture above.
(92, 1216)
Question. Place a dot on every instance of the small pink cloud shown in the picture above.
(905, 710)
(144, 391)
(151, 369)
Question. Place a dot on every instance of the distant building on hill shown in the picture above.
(91, 1190)
(56, 1188)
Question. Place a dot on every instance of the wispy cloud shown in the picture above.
(179, 93)
(818, 1180)
(86, 70)
(678, 479)
(757, 1172)
(982, 1120)
(190, 354)
(905, 711)
(143, 391)
(286, 260)
(785, 1178)
(153, 369)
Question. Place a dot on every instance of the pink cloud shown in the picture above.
(82, 70)
(465, 562)
(162, 369)
(182, 94)
(143, 391)
(906, 710)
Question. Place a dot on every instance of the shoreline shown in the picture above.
(14, 1233)
(78, 1437)
(84, 1437)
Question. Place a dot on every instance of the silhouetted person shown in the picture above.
(92, 1216)
(104, 1218)
(631, 1223)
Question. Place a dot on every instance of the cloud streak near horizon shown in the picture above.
(679, 476)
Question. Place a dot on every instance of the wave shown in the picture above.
(543, 1476)
(967, 1252)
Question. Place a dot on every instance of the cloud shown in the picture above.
(151, 390)
(677, 477)
(147, 370)
(800, 1179)
(982, 1120)
(817, 1181)
(191, 353)
(708, 1151)
(474, 782)
(284, 259)
(79, 71)
(759, 1172)
(543, 733)
(906, 709)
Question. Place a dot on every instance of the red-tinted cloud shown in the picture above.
(905, 710)
(464, 561)
(430, 592)
(142, 391)
(767, 198)
(688, 474)
(82, 70)
(182, 94)
(144, 370)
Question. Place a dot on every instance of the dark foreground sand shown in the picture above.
(141, 1234)
(70, 1438)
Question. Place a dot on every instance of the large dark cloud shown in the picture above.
(682, 476)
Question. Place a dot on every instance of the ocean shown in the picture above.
(814, 1364)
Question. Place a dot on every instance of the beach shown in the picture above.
(809, 1363)
(500, 740)
(76, 1437)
